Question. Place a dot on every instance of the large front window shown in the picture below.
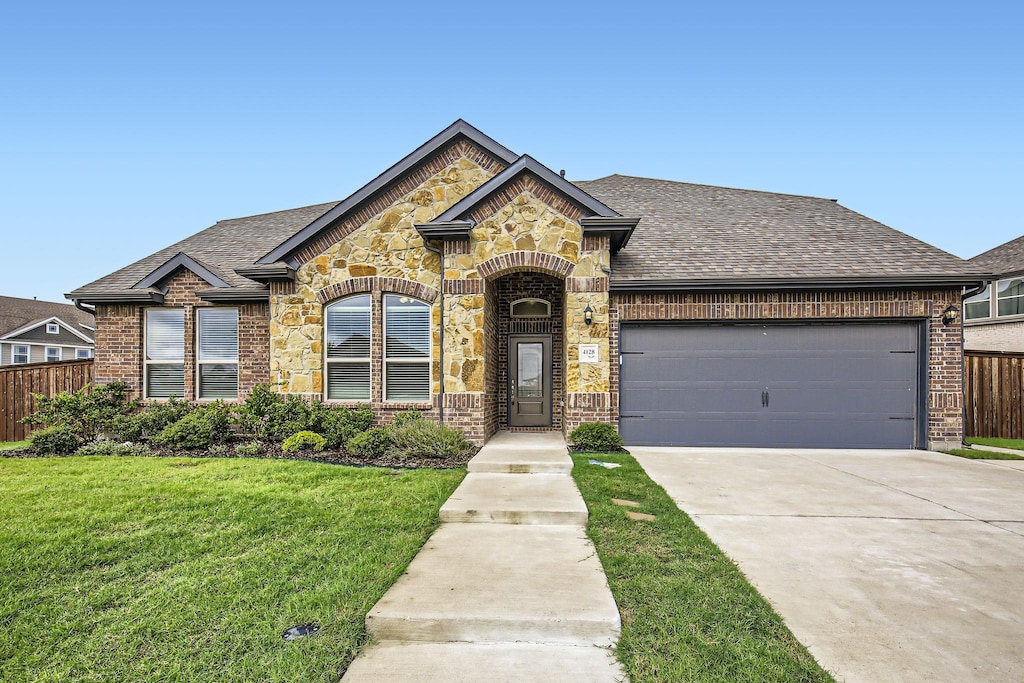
(217, 360)
(406, 349)
(165, 352)
(348, 349)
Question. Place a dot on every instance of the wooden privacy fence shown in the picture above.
(19, 382)
(993, 394)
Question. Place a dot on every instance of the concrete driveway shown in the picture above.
(887, 565)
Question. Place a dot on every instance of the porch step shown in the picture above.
(500, 583)
(493, 662)
(523, 453)
(516, 499)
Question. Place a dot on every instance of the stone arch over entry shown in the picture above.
(524, 261)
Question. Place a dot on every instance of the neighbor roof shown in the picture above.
(1006, 259)
(16, 313)
(694, 234)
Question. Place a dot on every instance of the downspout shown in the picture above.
(968, 293)
(440, 255)
(82, 307)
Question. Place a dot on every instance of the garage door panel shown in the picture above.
(853, 385)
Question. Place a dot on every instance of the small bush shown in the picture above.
(418, 438)
(60, 438)
(595, 436)
(110, 447)
(405, 417)
(372, 443)
(150, 421)
(339, 424)
(249, 448)
(267, 414)
(301, 441)
(87, 411)
(190, 432)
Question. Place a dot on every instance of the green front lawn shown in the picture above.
(688, 614)
(1017, 444)
(977, 454)
(140, 569)
(13, 445)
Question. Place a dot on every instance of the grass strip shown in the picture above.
(1017, 444)
(977, 454)
(144, 569)
(13, 445)
(688, 614)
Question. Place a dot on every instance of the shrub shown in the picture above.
(300, 441)
(87, 411)
(339, 424)
(190, 432)
(267, 414)
(149, 421)
(249, 448)
(418, 438)
(110, 447)
(595, 436)
(372, 443)
(405, 417)
(60, 438)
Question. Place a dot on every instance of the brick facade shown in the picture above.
(1000, 335)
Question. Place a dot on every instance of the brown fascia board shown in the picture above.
(799, 284)
(123, 296)
(458, 129)
(619, 229)
(229, 294)
(448, 230)
(268, 271)
(526, 164)
(180, 260)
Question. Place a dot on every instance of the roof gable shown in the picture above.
(460, 130)
(171, 265)
(46, 321)
(18, 315)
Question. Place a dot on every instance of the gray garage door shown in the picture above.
(814, 386)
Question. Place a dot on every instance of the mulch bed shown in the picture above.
(273, 451)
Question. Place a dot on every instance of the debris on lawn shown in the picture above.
(607, 465)
(626, 503)
(640, 516)
(301, 631)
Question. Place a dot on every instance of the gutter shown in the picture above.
(440, 396)
(82, 307)
(724, 284)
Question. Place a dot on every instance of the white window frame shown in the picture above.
(52, 328)
(996, 298)
(60, 354)
(79, 352)
(367, 360)
(967, 302)
(199, 356)
(15, 354)
(146, 362)
(407, 361)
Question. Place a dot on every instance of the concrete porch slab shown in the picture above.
(516, 499)
(492, 662)
(501, 583)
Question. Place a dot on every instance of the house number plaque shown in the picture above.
(588, 353)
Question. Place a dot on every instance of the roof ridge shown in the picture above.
(715, 187)
(271, 213)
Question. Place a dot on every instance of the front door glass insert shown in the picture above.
(530, 383)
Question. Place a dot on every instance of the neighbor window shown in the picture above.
(979, 305)
(1010, 299)
(20, 355)
(52, 328)
(217, 359)
(83, 354)
(165, 352)
(406, 349)
(348, 349)
(53, 354)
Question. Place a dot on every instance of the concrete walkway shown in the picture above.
(509, 588)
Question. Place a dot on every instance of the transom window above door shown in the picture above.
(531, 308)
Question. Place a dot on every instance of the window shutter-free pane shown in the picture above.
(165, 334)
(218, 380)
(165, 380)
(407, 323)
(408, 382)
(348, 328)
(348, 381)
(218, 335)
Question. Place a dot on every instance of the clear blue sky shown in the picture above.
(125, 127)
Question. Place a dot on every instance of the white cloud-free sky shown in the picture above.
(127, 126)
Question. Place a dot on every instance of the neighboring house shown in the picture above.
(684, 314)
(34, 331)
(995, 322)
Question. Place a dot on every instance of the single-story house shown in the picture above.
(481, 286)
(994, 318)
(33, 331)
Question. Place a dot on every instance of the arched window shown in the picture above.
(348, 348)
(406, 349)
(531, 308)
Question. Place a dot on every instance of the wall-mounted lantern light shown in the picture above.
(588, 314)
(950, 315)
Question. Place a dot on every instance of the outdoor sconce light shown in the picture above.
(950, 315)
(588, 315)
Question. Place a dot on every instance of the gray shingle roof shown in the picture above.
(690, 231)
(226, 245)
(16, 313)
(1006, 259)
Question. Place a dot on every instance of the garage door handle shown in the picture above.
(766, 398)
